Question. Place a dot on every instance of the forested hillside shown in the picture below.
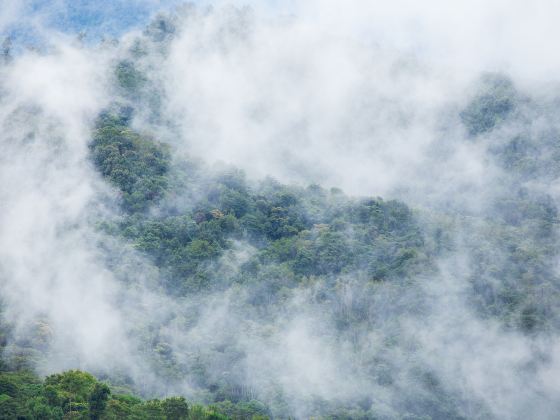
(191, 287)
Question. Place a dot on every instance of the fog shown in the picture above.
(359, 95)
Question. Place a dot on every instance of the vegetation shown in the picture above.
(494, 102)
(78, 395)
(275, 249)
(137, 166)
(299, 236)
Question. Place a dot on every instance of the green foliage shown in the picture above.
(79, 395)
(325, 235)
(129, 79)
(494, 102)
(352, 254)
(98, 400)
(39, 408)
(513, 262)
(266, 243)
(136, 165)
(175, 408)
(290, 237)
(254, 410)
(73, 385)
(8, 407)
(309, 230)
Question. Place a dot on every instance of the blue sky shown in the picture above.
(95, 17)
(20, 18)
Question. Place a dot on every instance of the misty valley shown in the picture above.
(225, 216)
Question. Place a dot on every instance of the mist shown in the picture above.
(290, 99)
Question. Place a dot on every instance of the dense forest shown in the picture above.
(253, 298)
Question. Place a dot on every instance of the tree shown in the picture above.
(8, 407)
(40, 409)
(98, 400)
(175, 408)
